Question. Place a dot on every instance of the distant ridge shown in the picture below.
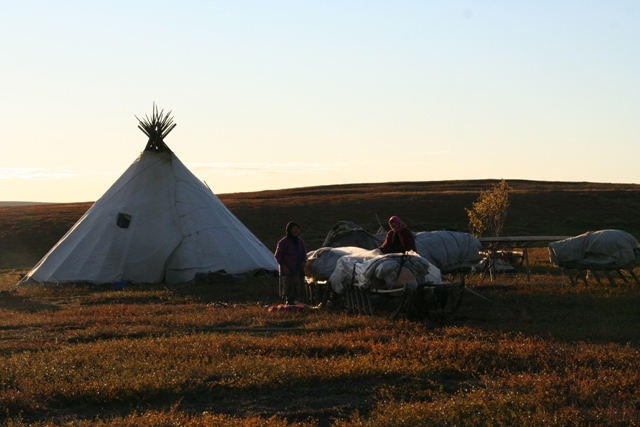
(9, 204)
(462, 185)
(28, 231)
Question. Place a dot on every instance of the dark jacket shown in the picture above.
(400, 242)
(291, 252)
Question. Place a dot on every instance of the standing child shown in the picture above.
(291, 255)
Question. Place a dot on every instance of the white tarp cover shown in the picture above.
(604, 248)
(322, 262)
(449, 250)
(383, 271)
(177, 228)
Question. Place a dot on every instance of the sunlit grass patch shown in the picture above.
(536, 353)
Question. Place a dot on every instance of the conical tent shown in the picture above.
(157, 223)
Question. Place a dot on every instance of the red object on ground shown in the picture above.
(287, 307)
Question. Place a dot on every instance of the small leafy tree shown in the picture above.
(490, 210)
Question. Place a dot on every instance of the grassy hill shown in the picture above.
(517, 352)
(537, 208)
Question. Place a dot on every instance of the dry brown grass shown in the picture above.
(542, 353)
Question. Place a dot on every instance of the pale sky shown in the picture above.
(282, 94)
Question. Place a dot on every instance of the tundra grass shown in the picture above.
(518, 352)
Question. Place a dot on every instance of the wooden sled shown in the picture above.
(421, 302)
(576, 272)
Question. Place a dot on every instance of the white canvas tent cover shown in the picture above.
(322, 262)
(603, 248)
(157, 223)
(449, 250)
(372, 270)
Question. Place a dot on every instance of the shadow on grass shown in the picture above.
(295, 400)
(10, 300)
(593, 313)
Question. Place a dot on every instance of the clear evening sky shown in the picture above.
(279, 94)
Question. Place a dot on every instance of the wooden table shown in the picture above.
(494, 244)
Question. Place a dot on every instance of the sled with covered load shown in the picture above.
(394, 284)
(595, 252)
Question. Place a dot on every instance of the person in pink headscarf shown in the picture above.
(399, 239)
